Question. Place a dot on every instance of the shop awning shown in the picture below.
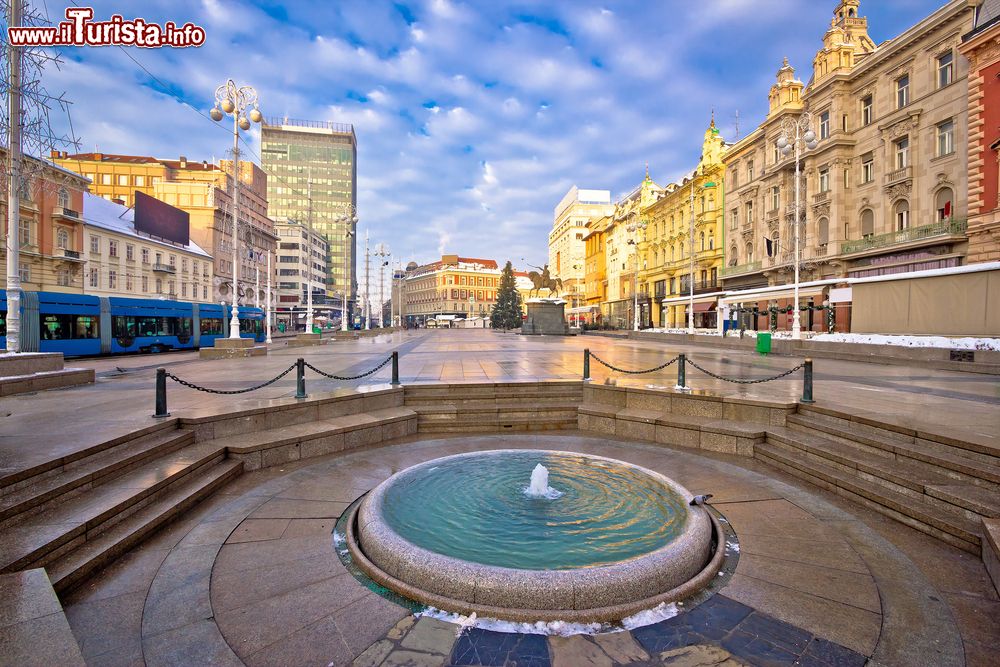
(583, 309)
(772, 294)
(700, 298)
(704, 307)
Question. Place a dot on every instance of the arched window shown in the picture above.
(867, 223)
(711, 243)
(671, 253)
(63, 198)
(823, 232)
(734, 256)
(749, 252)
(703, 240)
(944, 203)
(902, 215)
(62, 239)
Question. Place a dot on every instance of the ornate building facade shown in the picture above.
(982, 48)
(567, 251)
(669, 244)
(884, 190)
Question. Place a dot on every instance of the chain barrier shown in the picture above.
(622, 370)
(207, 390)
(354, 377)
(743, 381)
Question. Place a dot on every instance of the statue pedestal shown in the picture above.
(546, 317)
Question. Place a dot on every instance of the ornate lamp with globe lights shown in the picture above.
(350, 218)
(234, 100)
(797, 136)
(633, 227)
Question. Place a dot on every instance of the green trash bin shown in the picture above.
(316, 329)
(764, 343)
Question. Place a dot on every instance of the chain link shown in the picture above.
(622, 370)
(355, 377)
(207, 390)
(742, 381)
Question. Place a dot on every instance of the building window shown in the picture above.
(62, 239)
(140, 181)
(95, 244)
(94, 278)
(749, 170)
(145, 284)
(734, 216)
(63, 198)
(944, 203)
(112, 248)
(130, 252)
(902, 91)
(129, 285)
(824, 180)
(25, 272)
(946, 138)
(123, 179)
(144, 253)
(867, 110)
(867, 168)
(902, 147)
(204, 292)
(749, 213)
(703, 240)
(823, 232)
(184, 290)
(105, 179)
(736, 176)
(824, 125)
(62, 277)
(902, 215)
(112, 279)
(184, 265)
(867, 223)
(945, 69)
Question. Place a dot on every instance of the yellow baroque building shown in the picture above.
(687, 220)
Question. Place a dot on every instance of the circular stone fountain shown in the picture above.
(587, 539)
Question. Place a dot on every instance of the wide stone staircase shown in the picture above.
(939, 485)
(495, 408)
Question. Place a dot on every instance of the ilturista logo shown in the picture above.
(79, 29)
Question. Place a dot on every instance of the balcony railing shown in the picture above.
(898, 175)
(730, 271)
(700, 286)
(944, 228)
(165, 268)
(68, 254)
(821, 197)
(63, 212)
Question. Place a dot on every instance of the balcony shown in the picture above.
(945, 228)
(700, 286)
(67, 254)
(899, 175)
(164, 268)
(66, 214)
(821, 197)
(730, 271)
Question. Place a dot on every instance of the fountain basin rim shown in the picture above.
(605, 614)
(423, 574)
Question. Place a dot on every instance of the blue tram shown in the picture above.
(83, 325)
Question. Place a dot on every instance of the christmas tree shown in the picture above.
(507, 311)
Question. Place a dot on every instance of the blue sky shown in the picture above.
(473, 118)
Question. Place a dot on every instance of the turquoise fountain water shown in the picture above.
(576, 512)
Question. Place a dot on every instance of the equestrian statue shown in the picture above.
(543, 280)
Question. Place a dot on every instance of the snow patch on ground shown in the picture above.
(992, 344)
(658, 613)
(661, 612)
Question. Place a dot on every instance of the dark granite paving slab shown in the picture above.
(497, 649)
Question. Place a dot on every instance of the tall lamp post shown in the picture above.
(350, 218)
(797, 136)
(381, 251)
(633, 229)
(235, 100)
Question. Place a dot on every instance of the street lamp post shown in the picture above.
(350, 218)
(381, 251)
(797, 135)
(634, 228)
(233, 100)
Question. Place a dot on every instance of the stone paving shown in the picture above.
(46, 425)
(251, 577)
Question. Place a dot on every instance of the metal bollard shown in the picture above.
(807, 382)
(395, 367)
(681, 371)
(586, 365)
(161, 393)
(300, 378)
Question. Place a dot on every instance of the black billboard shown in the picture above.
(157, 218)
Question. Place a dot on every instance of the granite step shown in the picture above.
(45, 536)
(76, 566)
(33, 625)
(905, 475)
(974, 499)
(954, 462)
(948, 526)
(499, 424)
(90, 472)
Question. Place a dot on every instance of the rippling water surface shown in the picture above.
(475, 508)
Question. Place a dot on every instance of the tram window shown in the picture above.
(157, 326)
(184, 326)
(123, 326)
(211, 326)
(68, 327)
(3, 322)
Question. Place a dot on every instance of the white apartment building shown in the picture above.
(567, 250)
(302, 266)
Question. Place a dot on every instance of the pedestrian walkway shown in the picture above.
(48, 425)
